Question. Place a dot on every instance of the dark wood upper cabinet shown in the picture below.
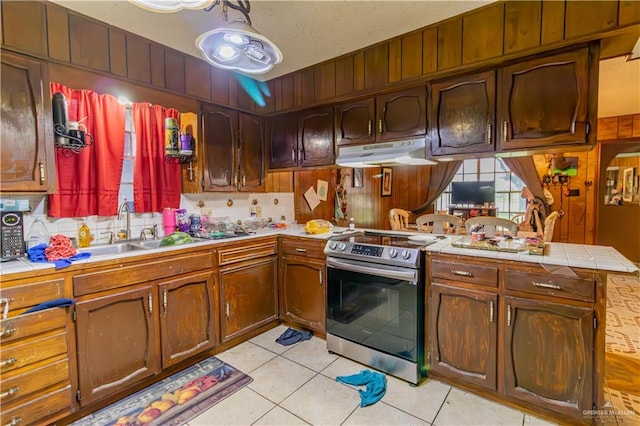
(89, 41)
(283, 141)
(24, 26)
(220, 126)
(462, 114)
(355, 122)
(27, 135)
(315, 137)
(251, 167)
(546, 102)
(394, 116)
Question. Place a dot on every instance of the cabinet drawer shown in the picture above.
(129, 274)
(246, 252)
(27, 295)
(579, 288)
(37, 322)
(23, 384)
(465, 272)
(34, 410)
(28, 351)
(300, 247)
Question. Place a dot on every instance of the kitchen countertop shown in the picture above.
(560, 254)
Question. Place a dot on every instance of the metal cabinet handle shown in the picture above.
(508, 315)
(461, 273)
(10, 392)
(14, 421)
(369, 128)
(150, 303)
(546, 285)
(301, 250)
(491, 311)
(7, 332)
(235, 179)
(244, 180)
(8, 362)
(489, 137)
(505, 129)
(226, 308)
(293, 154)
(380, 126)
(321, 278)
(41, 166)
(164, 300)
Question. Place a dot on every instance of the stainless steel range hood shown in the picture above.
(406, 152)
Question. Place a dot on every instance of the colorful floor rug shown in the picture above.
(174, 400)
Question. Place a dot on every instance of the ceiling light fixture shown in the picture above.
(234, 46)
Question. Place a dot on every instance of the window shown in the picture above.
(508, 186)
(126, 180)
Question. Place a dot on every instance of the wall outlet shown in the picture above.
(573, 193)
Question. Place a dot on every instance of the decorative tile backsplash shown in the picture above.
(277, 206)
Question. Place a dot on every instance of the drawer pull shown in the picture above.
(321, 278)
(164, 300)
(369, 128)
(7, 332)
(301, 250)
(8, 362)
(14, 421)
(508, 315)
(546, 285)
(380, 126)
(461, 273)
(226, 309)
(10, 392)
(491, 311)
(150, 303)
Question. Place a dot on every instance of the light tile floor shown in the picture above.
(295, 385)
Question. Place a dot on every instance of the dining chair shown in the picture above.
(438, 223)
(491, 225)
(549, 224)
(399, 219)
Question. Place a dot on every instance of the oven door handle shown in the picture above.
(410, 275)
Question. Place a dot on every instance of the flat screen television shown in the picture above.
(475, 193)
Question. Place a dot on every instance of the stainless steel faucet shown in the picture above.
(153, 230)
(124, 207)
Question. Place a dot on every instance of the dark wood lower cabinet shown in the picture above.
(303, 292)
(116, 338)
(548, 350)
(464, 334)
(248, 296)
(188, 316)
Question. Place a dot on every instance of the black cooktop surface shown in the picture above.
(388, 239)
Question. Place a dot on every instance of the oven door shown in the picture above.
(378, 306)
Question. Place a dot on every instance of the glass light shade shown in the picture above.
(169, 6)
(257, 53)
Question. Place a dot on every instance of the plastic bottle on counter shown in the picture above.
(38, 233)
(84, 235)
(352, 224)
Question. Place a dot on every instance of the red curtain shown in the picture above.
(156, 182)
(88, 182)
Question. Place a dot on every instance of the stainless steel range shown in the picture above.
(375, 301)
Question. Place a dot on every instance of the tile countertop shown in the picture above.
(560, 254)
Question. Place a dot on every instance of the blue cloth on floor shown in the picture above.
(37, 254)
(55, 303)
(292, 336)
(376, 385)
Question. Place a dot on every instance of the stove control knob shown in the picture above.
(342, 246)
(333, 245)
(393, 252)
(406, 254)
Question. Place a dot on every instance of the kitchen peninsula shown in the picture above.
(523, 310)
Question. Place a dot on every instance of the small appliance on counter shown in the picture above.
(12, 235)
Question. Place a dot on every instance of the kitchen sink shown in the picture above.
(103, 250)
(147, 244)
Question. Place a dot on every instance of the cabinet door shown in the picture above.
(187, 317)
(548, 353)
(462, 114)
(401, 115)
(302, 292)
(283, 141)
(248, 296)
(315, 137)
(355, 122)
(116, 338)
(463, 330)
(220, 148)
(544, 102)
(251, 154)
(27, 146)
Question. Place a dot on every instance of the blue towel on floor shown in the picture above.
(55, 303)
(292, 336)
(36, 254)
(376, 385)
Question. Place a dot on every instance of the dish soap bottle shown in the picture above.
(38, 233)
(84, 235)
